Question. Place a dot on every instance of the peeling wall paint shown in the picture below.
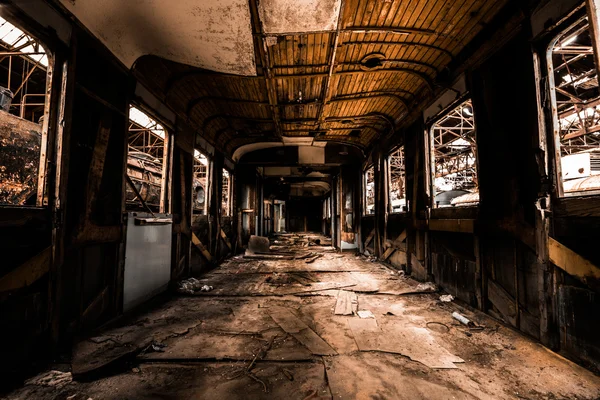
(283, 16)
(211, 34)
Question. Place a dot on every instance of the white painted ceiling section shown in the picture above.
(292, 16)
(210, 34)
(286, 141)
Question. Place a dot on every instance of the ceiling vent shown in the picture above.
(372, 61)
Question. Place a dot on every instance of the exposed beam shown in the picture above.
(369, 29)
(212, 75)
(326, 92)
(306, 121)
(423, 77)
(572, 263)
(366, 96)
(28, 272)
(266, 66)
(452, 225)
(384, 61)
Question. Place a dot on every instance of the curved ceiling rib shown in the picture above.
(406, 44)
(173, 81)
(358, 97)
(424, 78)
(308, 121)
(361, 64)
(363, 29)
(338, 99)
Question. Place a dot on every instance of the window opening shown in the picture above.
(397, 187)
(577, 111)
(24, 88)
(369, 194)
(454, 169)
(200, 183)
(146, 154)
(226, 196)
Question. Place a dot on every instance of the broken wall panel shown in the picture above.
(453, 264)
(579, 315)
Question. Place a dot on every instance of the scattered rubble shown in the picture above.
(261, 330)
(462, 319)
(156, 347)
(446, 298)
(258, 244)
(365, 314)
(189, 286)
(427, 287)
(52, 378)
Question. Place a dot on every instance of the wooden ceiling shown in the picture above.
(351, 85)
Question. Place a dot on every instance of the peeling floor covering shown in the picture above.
(224, 344)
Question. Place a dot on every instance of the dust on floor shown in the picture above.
(295, 327)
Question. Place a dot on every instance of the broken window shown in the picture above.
(396, 179)
(369, 195)
(200, 184)
(146, 163)
(574, 83)
(226, 194)
(24, 88)
(454, 158)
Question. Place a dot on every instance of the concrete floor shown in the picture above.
(263, 330)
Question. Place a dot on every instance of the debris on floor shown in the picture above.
(313, 259)
(427, 287)
(279, 327)
(346, 304)
(299, 330)
(155, 346)
(189, 286)
(463, 320)
(446, 298)
(258, 244)
(52, 378)
(365, 314)
(410, 341)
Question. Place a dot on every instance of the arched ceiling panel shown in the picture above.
(342, 71)
(210, 34)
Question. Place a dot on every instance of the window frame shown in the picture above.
(430, 151)
(51, 98)
(209, 166)
(167, 159)
(555, 130)
(389, 181)
(365, 189)
(229, 194)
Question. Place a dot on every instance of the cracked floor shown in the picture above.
(233, 342)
